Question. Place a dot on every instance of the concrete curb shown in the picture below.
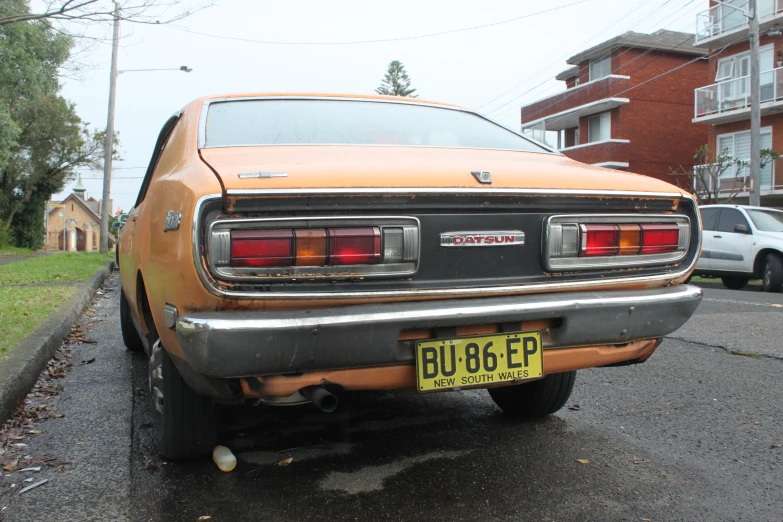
(20, 370)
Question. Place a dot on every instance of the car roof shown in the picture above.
(726, 205)
(336, 96)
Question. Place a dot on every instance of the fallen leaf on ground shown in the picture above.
(34, 432)
(284, 462)
(204, 518)
(59, 415)
(776, 306)
(583, 461)
(152, 464)
(777, 445)
(640, 461)
(575, 407)
(31, 486)
(11, 466)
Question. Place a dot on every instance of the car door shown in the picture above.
(709, 220)
(730, 248)
(128, 251)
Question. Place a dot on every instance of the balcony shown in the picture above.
(564, 109)
(612, 153)
(721, 25)
(729, 100)
(735, 181)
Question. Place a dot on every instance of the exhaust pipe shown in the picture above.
(321, 398)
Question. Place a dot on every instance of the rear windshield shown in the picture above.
(344, 122)
(767, 220)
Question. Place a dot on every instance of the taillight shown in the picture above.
(261, 248)
(599, 240)
(659, 239)
(615, 241)
(320, 247)
(313, 247)
(354, 246)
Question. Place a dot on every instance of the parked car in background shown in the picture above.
(284, 248)
(742, 243)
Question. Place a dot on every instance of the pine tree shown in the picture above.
(396, 82)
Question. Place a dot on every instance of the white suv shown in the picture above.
(742, 243)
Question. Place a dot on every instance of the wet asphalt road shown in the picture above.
(696, 433)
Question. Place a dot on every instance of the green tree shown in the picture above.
(396, 82)
(42, 139)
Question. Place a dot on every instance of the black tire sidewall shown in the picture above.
(773, 265)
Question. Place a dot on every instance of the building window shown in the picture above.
(576, 81)
(576, 136)
(737, 146)
(738, 65)
(600, 68)
(599, 127)
(71, 207)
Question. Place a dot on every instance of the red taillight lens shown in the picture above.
(354, 246)
(659, 239)
(262, 248)
(599, 240)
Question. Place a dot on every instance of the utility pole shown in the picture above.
(109, 143)
(755, 107)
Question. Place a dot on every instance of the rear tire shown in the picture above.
(130, 336)
(535, 399)
(772, 276)
(735, 283)
(187, 423)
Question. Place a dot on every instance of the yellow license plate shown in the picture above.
(478, 361)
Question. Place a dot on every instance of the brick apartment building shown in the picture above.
(615, 113)
(722, 104)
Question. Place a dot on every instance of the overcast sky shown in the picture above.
(495, 69)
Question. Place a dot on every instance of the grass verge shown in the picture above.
(53, 268)
(14, 251)
(23, 308)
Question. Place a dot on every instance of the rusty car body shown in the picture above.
(286, 247)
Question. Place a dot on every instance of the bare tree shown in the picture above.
(711, 177)
(135, 11)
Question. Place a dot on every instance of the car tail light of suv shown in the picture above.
(605, 241)
(313, 247)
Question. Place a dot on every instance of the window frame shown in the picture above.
(729, 211)
(157, 152)
(600, 63)
(704, 220)
(601, 116)
(735, 171)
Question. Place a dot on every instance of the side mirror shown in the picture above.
(742, 229)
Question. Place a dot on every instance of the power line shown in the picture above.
(546, 69)
(673, 69)
(515, 99)
(398, 39)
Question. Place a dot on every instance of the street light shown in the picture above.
(109, 142)
(183, 68)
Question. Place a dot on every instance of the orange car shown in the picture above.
(284, 248)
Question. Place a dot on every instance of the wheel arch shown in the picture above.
(144, 311)
(758, 263)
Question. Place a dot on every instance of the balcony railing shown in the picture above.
(735, 180)
(730, 95)
(721, 19)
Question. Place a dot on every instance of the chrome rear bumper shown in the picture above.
(239, 344)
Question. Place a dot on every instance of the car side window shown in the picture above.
(709, 218)
(160, 144)
(729, 218)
